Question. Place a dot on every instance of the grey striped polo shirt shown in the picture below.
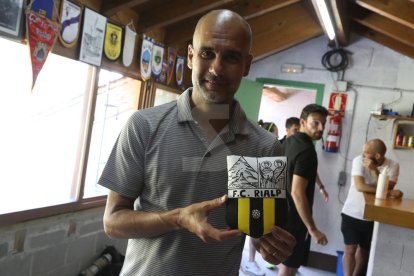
(163, 159)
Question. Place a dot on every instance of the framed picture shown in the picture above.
(93, 34)
(11, 18)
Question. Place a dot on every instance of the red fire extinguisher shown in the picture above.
(334, 134)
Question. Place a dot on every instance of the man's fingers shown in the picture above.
(210, 234)
(284, 236)
(215, 203)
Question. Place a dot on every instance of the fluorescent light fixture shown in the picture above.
(292, 68)
(326, 19)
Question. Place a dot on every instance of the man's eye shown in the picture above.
(206, 54)
(233, 58)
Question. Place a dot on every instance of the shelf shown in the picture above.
(401, 147)
(385, 117)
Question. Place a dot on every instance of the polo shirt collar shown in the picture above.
(238, 121)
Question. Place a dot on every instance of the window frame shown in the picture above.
(147, 96)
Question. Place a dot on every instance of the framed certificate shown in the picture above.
(11, 18)
(93, 34)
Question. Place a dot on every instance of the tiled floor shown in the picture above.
(305, 271)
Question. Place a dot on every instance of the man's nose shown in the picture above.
(216, 66)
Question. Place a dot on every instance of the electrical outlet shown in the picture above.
(342, 178)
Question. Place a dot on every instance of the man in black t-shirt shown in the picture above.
(292, 126)
(302, 173)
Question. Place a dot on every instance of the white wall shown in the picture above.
(370, 65)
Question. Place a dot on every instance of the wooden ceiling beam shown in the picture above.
(341, 18)
(400, 11)
(176, 11)
(384, 40)
(180, 32)
(386, 27)
(247, 9)
(114, 6)
(281, 29)
(251, 9)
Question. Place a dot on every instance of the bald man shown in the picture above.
(167, 173)
(357, 231)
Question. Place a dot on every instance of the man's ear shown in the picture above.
(302, 123)
(190, 54)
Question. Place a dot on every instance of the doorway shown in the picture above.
(283, 99)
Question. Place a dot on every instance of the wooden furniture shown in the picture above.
(399, 212)
(392, 244)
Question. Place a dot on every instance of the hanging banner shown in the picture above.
(70, 16)
(42, 7)
(41, 34)
(171, 57)
(162, 78)
(146, 52)
(113, 40)
(157, 58)
(129, 45)
(179, 70)
(93, 33)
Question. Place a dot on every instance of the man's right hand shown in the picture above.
(370, 165)
(194, 219)
(319, 237)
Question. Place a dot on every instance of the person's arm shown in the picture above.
(322, 188)
(121, 221)
(298, 192)
(361, 186)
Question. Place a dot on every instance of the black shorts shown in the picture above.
(301, 251)
(356, 231)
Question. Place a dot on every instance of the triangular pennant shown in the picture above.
(146, 52)
(172, 55)
(129, 46)
(70, 17)
(113, 40)
(157, 59)
(162, 78)
(42, 34)
(179, 70)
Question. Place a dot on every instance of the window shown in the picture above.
(117, 99)
(163, 96)
(44, 135)
(40, 128)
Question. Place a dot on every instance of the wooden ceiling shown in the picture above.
(276, 24)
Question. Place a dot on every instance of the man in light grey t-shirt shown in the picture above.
(167, 173)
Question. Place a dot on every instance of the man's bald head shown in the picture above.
(377, 146)
(223, 20)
